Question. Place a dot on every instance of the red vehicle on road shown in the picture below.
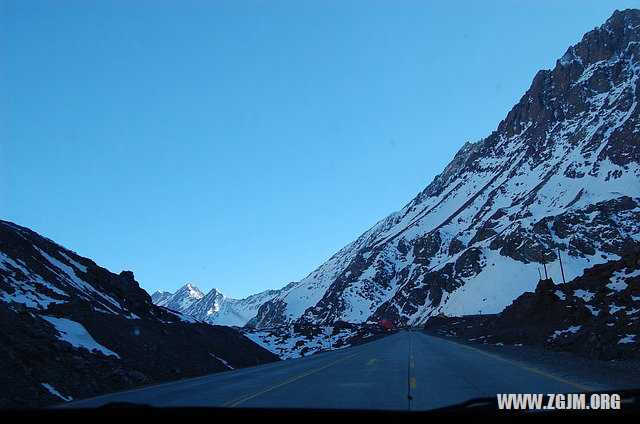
(385, 323)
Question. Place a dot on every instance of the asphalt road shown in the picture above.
(405, 371)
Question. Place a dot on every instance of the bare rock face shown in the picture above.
(70, 329)
(561, 172)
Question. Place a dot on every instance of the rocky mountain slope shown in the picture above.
(595, 315)
(70, 329)
(560, 172)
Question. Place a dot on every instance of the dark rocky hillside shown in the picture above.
(70, 329)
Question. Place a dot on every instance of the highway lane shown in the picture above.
(405, 371)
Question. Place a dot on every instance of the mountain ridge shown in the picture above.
(213, 307)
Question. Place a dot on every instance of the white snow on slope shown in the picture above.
(75, 334)
(56, 393)
(225, 363)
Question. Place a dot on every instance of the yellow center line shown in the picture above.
(413, 383)
(373, 361)
(242, 399)
(524, 367)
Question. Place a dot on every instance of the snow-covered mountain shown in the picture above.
(560, 172)
(182, 299)
(214, 307)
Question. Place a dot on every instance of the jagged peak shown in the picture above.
(192, 290)
(215, 292)
(607, 42)
(601, 43)
(604, 41)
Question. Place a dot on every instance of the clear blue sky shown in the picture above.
(239, 144)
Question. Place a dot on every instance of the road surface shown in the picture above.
(405, 371)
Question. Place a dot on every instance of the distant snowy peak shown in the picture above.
(181, 300)
(213, 307)
(194, 292)
(160, 297)
(560, 172)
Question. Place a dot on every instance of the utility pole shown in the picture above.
(561, 269)
(544, 264)
(539, 275)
